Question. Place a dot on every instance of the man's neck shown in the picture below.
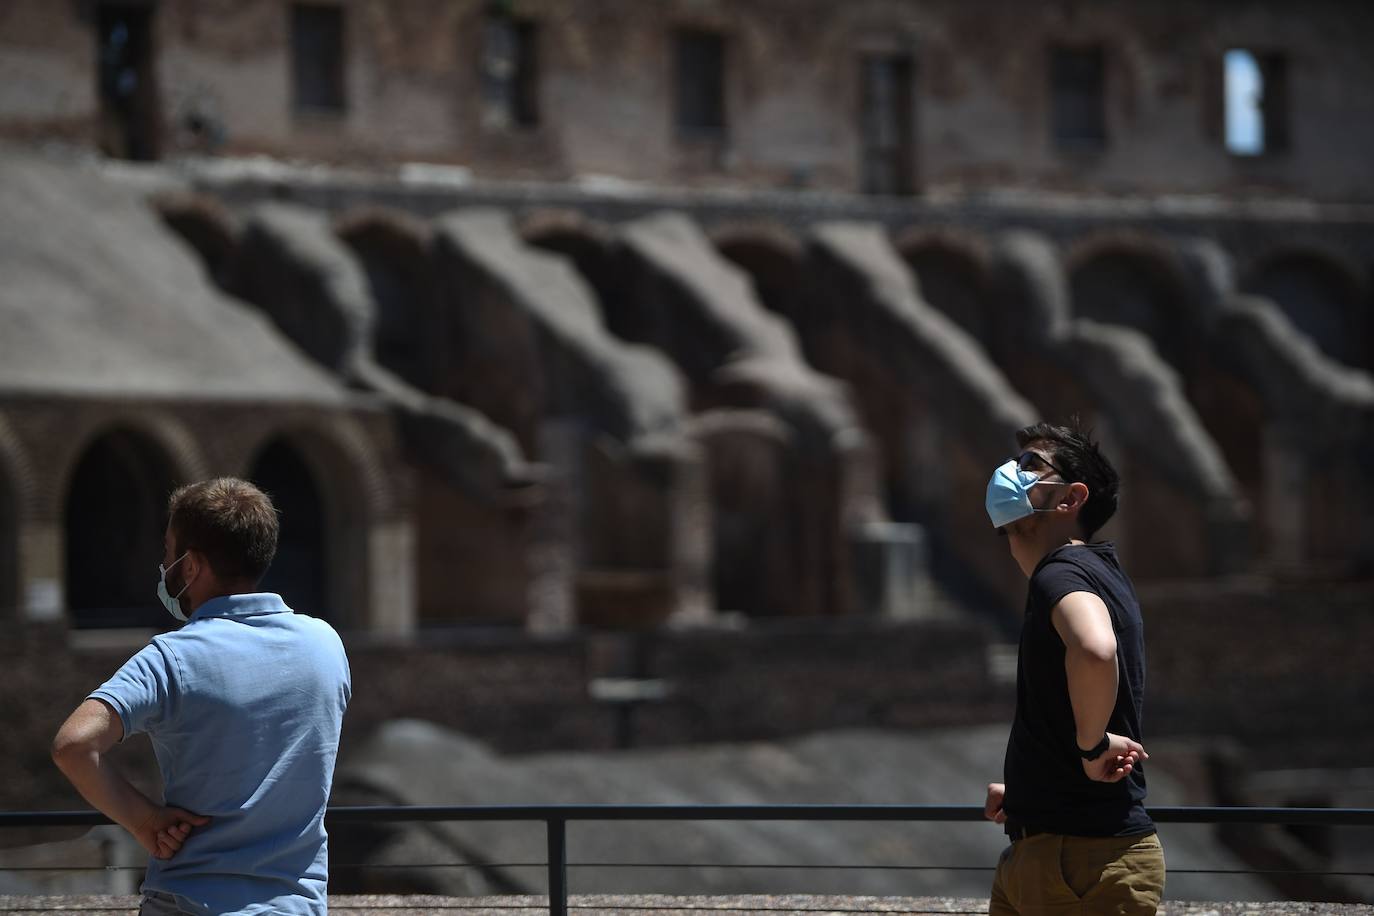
(1029, 553)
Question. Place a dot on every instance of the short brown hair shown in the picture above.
(230, 522)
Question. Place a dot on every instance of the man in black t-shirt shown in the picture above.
(1074, 792)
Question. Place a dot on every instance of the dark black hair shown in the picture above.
(1073, 452)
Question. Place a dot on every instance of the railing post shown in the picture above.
(558, 866)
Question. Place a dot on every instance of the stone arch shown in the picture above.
(773, 258)
(588, 244)
(952, 274)
(1323, 295)
(17, 498)
(746, 453)
(393, 248)
(204, 223)
(114, 515)
(169, 434)
(327, 473)
(1140, 281)
(1133, 280)
(298, 570)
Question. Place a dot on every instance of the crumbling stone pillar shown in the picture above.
(525, 343)
(678, 293)
(1318, 433)
(292, 265)
(916, 371)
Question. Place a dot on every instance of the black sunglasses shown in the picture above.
(1030, 461)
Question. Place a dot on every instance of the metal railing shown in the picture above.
(556, 818)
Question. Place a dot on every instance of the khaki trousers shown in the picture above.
(1049, 875)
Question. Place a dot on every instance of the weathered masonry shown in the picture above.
(887, 97)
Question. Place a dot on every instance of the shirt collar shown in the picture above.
(242, 606)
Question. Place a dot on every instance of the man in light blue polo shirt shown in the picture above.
(243, 705)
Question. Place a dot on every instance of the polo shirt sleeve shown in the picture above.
(141, 691)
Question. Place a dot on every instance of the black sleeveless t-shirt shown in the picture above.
(1047, 789)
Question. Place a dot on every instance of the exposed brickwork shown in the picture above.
(413, 87)
(1267, 669)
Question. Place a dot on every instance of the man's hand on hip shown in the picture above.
(1117, 761)
(992, 808)
(163, 832)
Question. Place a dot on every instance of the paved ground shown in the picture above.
(645, 905)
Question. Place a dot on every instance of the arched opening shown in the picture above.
(774, 259)
(952, 281)
(753, 566)
(773, 264)
(1321, 299)
(298, 572)
(116, 513)
(393, 249)
(590, 250)
(1126, 288)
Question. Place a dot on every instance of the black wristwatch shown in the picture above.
(1097, 749)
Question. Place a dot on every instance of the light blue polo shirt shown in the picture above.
(243, 705)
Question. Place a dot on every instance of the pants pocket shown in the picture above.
(1076, 875)
(1120, 875)
(1038, 873)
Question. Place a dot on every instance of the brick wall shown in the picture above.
(1281, 669)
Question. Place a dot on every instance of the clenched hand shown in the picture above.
(163, 832)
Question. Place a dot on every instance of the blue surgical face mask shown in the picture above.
(170, 602)
(1008, 497)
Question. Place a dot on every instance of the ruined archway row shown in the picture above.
(1175, 355)
(82, 530)
(904, 360)
(1172, 360)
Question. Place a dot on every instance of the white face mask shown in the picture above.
(170, 602)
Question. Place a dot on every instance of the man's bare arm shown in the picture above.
(1085, 626)
(80, 752)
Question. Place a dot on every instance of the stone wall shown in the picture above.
(1281, 668)
(1274, 670)
(525, 693)
(1210, 402)
(414, 88)
(350, 457)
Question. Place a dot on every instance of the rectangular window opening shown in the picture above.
(317, 58)
(510, 72)
(126, 81)
(1256, 102)
(886, 124)
(1078, 98)
(699, 83)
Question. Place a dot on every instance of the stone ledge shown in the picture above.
(587, 904)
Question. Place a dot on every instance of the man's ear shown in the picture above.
(1077, 496)
(194, 563)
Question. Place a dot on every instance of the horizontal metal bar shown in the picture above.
(1289, 816)
(667, 866)
(762, 813)
(663, 813)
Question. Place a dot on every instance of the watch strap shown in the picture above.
(1096, 750)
